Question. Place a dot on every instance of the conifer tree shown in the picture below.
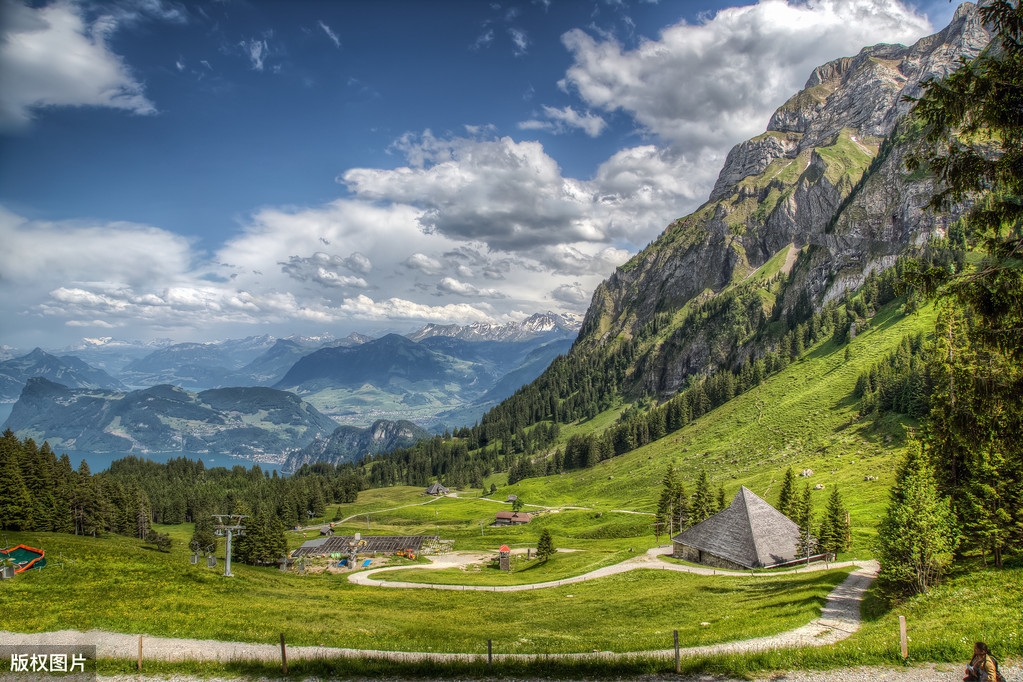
(702, 500)
(834, 532)
(974, 129)
(917, 536)
(545, 546)
(673, 505)
(787, 494)
(802, 510)
(15, 501)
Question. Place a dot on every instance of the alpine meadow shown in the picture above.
(783, 440)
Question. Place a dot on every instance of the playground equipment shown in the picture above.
(20, 559)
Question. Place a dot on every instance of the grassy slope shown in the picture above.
(117, 584)
(804, 418)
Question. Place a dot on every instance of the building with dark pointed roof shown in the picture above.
(437, 489)
(750, 533)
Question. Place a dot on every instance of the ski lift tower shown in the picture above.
(233, 523)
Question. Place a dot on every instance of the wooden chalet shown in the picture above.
(510, 518)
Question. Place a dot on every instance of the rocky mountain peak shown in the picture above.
(822, 195)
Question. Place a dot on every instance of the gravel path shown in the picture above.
(650, 560)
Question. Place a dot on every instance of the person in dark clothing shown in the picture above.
(982, 666)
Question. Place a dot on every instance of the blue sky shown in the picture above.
(208, 170)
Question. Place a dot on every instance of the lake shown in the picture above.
(101, 461)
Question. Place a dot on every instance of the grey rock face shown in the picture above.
(813, 181)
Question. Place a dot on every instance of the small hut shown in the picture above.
(437, 489)
(507, 518)
(750, 533)
(505, 558)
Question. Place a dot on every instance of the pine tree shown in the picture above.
(15, 501)
(702, 500)
(545, 546)
(802, 511)
(974, 133)
(918, 535)
(834, 532)
(787, 494)
(673, 505)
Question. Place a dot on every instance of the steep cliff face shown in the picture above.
(350, 443)
(826, 182)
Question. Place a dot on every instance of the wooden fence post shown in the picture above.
(678, 660)
(902, 638)
(284, 656)
(140, 653)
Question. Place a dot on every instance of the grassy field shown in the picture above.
(523, 571)
(121, 585)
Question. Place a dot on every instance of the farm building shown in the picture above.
(507, 518)
(750, 533)
(437, 489)
(367, 544)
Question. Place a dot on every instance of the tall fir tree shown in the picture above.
(673, 505)
(917, 537)
(703, 501)
(974, 132)
(834, 529)
(788, 493)
(802, 510)
(545, 546)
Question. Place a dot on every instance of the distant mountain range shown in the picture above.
(441, 376)
(538, 325)
(67, 370)
(244, 421)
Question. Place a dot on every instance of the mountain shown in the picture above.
(196, 365)
(111, 354)
(250, 421)
(442, 381)
(799, 215)
(69, 370)
(540, 324)
(350, 443)
(388, 361)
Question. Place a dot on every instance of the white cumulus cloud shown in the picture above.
(716, 82)
(53, 56)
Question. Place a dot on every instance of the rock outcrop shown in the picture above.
(826, 182)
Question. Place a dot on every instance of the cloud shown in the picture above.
(420, 261)
(52, 56)
(324, 269)
(485, 39)
(363, 307)
(715, 83)
(450, 285)
(562, 120)
(508, 194)
(257, 50)
(330, 34)
(520, 41)
(572, 294)
(123, 253)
